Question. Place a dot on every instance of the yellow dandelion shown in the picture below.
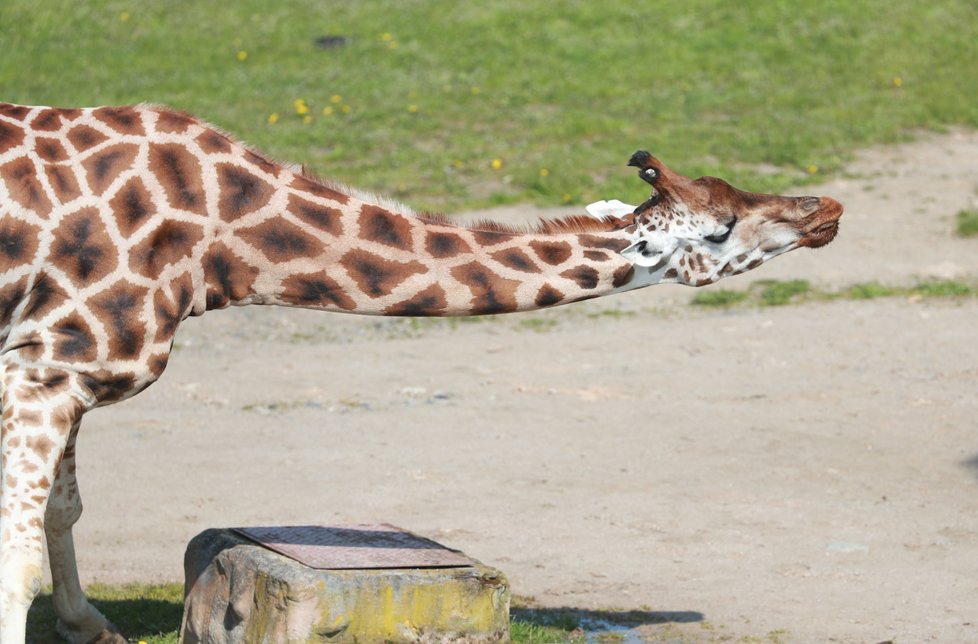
(458, 163)
(335, 99)
(392, 44)
(387, 37)
(897, 81)
(300, 106)
(496, 164)
(273, 118)
(413, 109)
(567, 197)
(812, 169)
(544, 172)
(242, 55)
(476, 89)
(327, 110)
(123, 16)
(307, 119)
(345, 109)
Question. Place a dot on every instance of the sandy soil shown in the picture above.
(808, 473)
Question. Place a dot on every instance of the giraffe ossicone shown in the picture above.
(117, 223)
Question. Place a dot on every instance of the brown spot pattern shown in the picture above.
(20, 175)
(132, 206)
(63, 182)
(548, 296)
(227, 277)
(552, 252)
(212, 142)
(596, 255)
(44, 296)
(376, 276)
(316, 290)
(607, 243)
(47, 120)
(281, 241)
(120, 307)
(241, 192)
(173, 122)
(516, 259)
(124, 120)
(322, 218)
(171, 242)
(490, 292)
(14, 111)
(84, 137)
(76, 342)
(585, 276)
(180, 174)
(440, 244)
(491, 237)
(82, 248)
(18, 242)
(623, 275)
(431, 301)
(103, 167)
(385, 227)
(50, 150)
(10, 136)
(171, 305)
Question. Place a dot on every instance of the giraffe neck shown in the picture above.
(331, 251)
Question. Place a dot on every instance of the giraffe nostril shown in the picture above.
(809, 204)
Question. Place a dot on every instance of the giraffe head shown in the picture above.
(697, 231)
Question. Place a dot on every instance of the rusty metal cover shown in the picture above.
(344, 547)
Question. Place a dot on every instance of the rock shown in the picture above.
(239, 591)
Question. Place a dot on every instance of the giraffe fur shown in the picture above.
(118, 223)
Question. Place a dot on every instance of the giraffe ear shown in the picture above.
(606, 209)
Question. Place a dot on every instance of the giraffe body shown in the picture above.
(116, 224)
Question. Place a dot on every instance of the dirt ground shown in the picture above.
(805, 473)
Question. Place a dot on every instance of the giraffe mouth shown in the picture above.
(824, 224)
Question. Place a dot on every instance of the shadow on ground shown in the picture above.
(600, 623)
(134, 617)
(972, 464)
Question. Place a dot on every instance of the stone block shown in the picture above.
(239, 591)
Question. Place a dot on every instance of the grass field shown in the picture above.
(448, 105)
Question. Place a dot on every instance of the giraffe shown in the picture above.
(118, 223)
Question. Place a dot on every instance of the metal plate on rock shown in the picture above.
(345, 547)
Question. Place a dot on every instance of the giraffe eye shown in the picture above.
(719, 238)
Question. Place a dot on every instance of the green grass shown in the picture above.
(720, 298)
(145, 612)
(967, 223)
(779, 293)
(561, 93)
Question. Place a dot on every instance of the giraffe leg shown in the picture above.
(40, 406)
(78, 621)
